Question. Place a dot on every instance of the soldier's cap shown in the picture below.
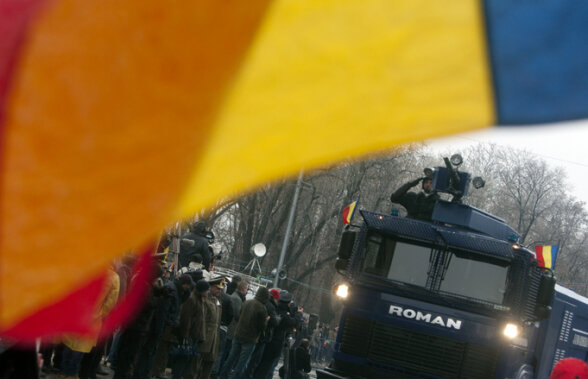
(218, 282)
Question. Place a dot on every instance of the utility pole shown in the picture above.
(289, 227)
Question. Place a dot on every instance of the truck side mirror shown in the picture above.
(545, 295)
(346, 245)
(341, 265)
(345, 250)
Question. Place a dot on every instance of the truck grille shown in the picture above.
(410, 351)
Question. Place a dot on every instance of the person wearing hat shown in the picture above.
(195, 243)
(191, 325)
(208, 346)
(226, 319)
(273, 349)
(570, 368)
(179, 292)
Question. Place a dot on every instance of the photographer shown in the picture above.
(195, 243)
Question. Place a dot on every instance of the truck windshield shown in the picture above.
(449, 272)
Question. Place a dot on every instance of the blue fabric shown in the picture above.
(246, 350)
(539, 58)
(70, 363)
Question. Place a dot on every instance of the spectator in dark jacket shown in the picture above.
(192, 326)
(273, 349)
(268, 333)
(135, 335)
(180, 291)
(237, 300)
(124, 271)
(301, 360)
(164, 298)
(252, 321)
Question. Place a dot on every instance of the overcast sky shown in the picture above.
(562, 145)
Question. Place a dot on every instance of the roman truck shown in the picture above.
(455, 296)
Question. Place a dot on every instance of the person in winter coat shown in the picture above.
(273, 349)
(419, 206)
(179, 292)
(76, 347)
(164, 308)
(237, 299)
(226, 319)
(252, 322)
(268, 333)
(208, 348)
(194, 243)
(124, 270)
(192, 326)
(301, 361)
(133, 338)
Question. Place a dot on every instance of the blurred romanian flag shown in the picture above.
(546, 255)
(118, 118)
(348, 212)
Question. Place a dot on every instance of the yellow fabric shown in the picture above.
(106, 115)
(112, 129)
(331, 79)
(105, 304)
(547, 256)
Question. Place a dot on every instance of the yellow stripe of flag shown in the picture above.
(330, 79)
(547, 256)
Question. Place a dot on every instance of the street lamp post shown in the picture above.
(289, 227)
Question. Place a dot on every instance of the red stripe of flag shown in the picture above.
(540, 258)
(348, 212)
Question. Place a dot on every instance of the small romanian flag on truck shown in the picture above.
(546, 255)
(348, 212)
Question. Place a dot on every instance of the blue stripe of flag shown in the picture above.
(539, 57)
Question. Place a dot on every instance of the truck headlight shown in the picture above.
(342, 291)
(511, 331)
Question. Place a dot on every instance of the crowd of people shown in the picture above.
(195, 323)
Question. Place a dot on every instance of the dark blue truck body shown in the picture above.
(565, 333)
(440, 316)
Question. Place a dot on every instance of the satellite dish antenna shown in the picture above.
(258, 251)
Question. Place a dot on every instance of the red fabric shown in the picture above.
(135, 296)
(346, 215)
(539, 252)
(570, 368)
(74, 313)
